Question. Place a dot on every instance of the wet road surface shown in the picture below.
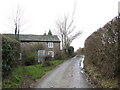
(66, 75)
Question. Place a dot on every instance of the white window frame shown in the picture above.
(51, 52)
(50, 44)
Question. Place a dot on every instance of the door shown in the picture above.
(51, 53)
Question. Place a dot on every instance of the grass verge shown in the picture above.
(15, 79)
(37, 71)
(34, 72)
(98, 80)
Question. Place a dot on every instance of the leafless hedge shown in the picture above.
(101, 49)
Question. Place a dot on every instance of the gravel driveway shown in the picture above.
(66, 75)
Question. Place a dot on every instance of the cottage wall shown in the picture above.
(55, 49)
(28, 45)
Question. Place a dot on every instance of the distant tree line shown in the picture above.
(80, 51)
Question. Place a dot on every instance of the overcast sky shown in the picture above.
(38, 16)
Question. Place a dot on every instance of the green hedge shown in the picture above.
(10, 54)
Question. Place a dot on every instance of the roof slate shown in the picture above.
(30, 37)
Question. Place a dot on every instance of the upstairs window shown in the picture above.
(50, 44)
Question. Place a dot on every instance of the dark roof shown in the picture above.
(35, 38)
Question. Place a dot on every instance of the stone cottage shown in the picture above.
(51, 43)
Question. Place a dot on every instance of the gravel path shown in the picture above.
(66, 75)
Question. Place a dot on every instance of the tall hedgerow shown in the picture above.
(101, 50)
(10, 54)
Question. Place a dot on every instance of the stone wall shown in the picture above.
(28, 45)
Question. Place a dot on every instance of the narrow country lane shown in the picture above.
(66, 75)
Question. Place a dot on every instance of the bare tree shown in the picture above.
(18, 20)
(65, 30)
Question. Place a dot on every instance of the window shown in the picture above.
(41, 52)
(50, 44)
(51, 53)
